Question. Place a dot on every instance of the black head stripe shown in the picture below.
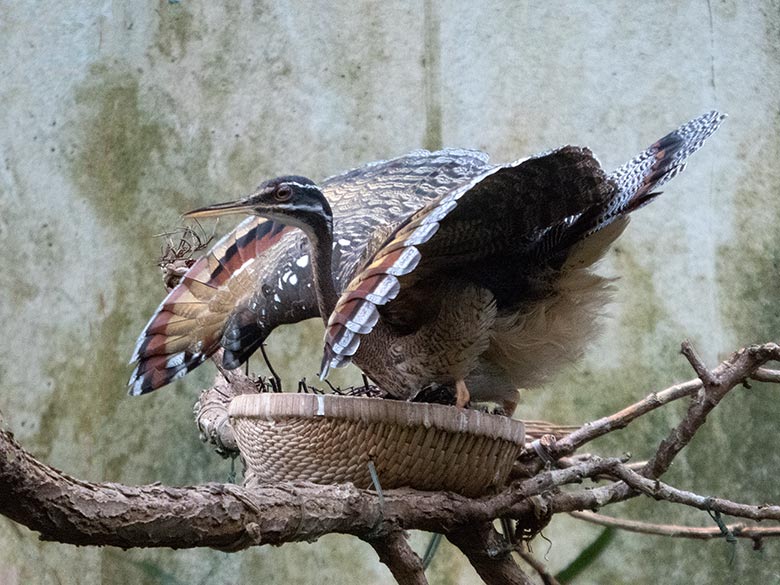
(292, 180)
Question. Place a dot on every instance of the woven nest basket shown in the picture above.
(331, 439)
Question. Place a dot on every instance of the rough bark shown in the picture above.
(489, 554)
(230, 517)
(405, 565)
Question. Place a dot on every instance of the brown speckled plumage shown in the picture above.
(443, 267)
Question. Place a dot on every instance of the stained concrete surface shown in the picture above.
(118, 116)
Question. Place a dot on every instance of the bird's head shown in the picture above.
(291, 200)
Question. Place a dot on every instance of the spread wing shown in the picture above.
(259, 276)
(502, 230)
(217, 295)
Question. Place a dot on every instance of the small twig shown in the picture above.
(332, 387)
(739, 530)
(276, 378)
(176, 258)
(540, 568)
(593, 430)
(766, 375)
(705, 375)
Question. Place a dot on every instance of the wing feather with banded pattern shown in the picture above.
(188, 325)
(500, 228)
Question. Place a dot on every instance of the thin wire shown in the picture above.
(377, 486)
(430, 550)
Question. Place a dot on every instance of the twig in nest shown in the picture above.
(333, 388)
(304, 388)
(176, 256)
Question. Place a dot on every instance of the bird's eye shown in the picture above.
(283, 193)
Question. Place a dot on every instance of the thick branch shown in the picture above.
(489, 554)
(394, 551)
(229, 517)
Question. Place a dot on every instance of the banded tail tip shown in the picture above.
(704, 126)
(135, 386)
(156, 371)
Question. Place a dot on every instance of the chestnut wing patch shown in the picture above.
(188, 325)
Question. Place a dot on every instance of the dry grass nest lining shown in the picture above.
(331, 439)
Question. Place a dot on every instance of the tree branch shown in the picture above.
(661, 491)
(229, 517)
(700, 533)
(742, 365)
(541, 570)
(621, 419)
(394, 551)
(489, 554)
(716, 384)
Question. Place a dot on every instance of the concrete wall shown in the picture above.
(118, 116)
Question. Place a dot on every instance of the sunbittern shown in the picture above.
(460, 274)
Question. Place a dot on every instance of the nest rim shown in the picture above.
(276, 406)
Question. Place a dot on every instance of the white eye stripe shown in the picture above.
(307, 208)
(301, 185)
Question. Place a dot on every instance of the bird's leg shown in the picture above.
(461, 394)
(509, 406)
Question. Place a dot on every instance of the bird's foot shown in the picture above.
(462, 396)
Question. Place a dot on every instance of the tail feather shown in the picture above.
(637, 181)
(636, 184)
(188, 325)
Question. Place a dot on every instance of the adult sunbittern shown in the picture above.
(479, 279)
